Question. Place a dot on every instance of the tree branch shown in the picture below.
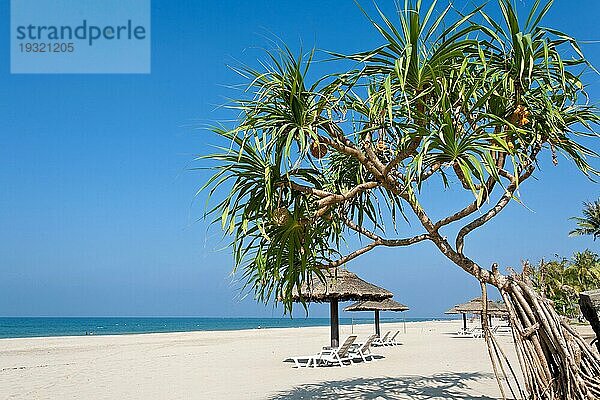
(372, 156)
(442, 244)
(339, 142)
(338, 198)
(502, 202)
(350, 256)
(432, 170)
(474, 206)
(350, 150)
(372, 245)
(363, 231)
(384, 242)
(309, 190)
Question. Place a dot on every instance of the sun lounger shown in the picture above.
(381, 341)
(363, 350)
(332, 356)
(392, 341)
(463, 332)
(329, 355)
(502, 330)
(472, 332)
(300, 361)
(475, 333)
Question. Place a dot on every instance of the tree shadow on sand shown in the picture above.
(438, 386)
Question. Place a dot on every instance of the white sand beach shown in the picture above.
(431, 363)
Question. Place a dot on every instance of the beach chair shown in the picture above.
(471, 332)
(464, 331)
(300, 361)
(503, 330)
(381, 341)
(475, 333)
(392, 341)
(307, 361)
(332, 356)
(363, 350)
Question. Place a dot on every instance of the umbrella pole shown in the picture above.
(377, 330)
(335, 323)
(464, 322)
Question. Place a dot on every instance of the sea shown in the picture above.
(18, 327)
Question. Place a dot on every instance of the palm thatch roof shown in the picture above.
(339, 284)
(383, 305)
(475, 306)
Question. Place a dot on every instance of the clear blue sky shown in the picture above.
(97, 209)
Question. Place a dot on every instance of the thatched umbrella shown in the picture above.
(377, 306)
(339, 285)
(475, 306)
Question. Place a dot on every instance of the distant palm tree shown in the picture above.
(589, 224)
(583, 273)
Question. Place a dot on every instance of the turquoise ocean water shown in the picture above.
(13, 327)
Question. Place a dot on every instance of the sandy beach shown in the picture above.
(431, 363)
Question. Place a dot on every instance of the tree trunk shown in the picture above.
(556, 362)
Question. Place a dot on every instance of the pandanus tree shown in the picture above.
(449, 100)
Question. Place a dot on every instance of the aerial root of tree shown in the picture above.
(555, 361)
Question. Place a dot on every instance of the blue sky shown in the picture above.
(97, 207)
